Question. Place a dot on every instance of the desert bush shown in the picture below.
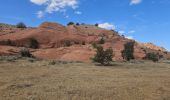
(33, 43)
(21, 25)
(161, 56)
(55, 62)
(152, 56)
(96, 24)
(83, 43)
(144, 50)
(12, 58)
(52, 62)
(165, 52)
(67, 43)
(128, 51)
(25, 53)
(70, 23)
(102, 56)
(77, 24)
(94, 45)
(102, 41)
(123, 36)
(31, 60)
(76, 42)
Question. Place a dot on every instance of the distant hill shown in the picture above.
(73, 42)
(7, 29)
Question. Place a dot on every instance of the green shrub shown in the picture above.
(96, 24)
(67, 43)
(70, 23)
(25, 53)
(52, 62)
(77, 24)
(11, 58)
(152, 56)
(31, 60)
(33, 43)
(94, 45)
(102, 41)
(102, 56)
(128, 51)
(21, 25)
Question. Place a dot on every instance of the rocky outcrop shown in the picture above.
(152, 46)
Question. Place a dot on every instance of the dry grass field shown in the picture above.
(45, 80)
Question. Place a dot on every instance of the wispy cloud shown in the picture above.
(55, 6)
(130, 37)
(78, 12)
(135, 2)
(132, 31)
(40, 14)
(107, 26)
(39, 2)
(122, 32)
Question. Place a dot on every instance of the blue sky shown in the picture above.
(143, 20)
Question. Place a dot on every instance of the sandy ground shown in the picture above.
(41, 80)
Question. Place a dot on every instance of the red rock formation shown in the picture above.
(53, 38)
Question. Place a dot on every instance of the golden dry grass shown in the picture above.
(23, 80)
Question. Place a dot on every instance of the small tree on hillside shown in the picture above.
(152, 56)
(21, 25)
(77, 24)
(128, 51)
(70, 23)
(25, 53)
(33, 43)
(102, 56)
(96, 24)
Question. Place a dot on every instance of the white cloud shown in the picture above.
(66, 16)
(40, 14)
(135, 2)
(78, 12)
(39, 2)
(56, 5)
(130, 37)
(107, 26)
(121, 32)
(132, 31)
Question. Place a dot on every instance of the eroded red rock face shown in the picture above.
(71, 43)
(8, 50)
